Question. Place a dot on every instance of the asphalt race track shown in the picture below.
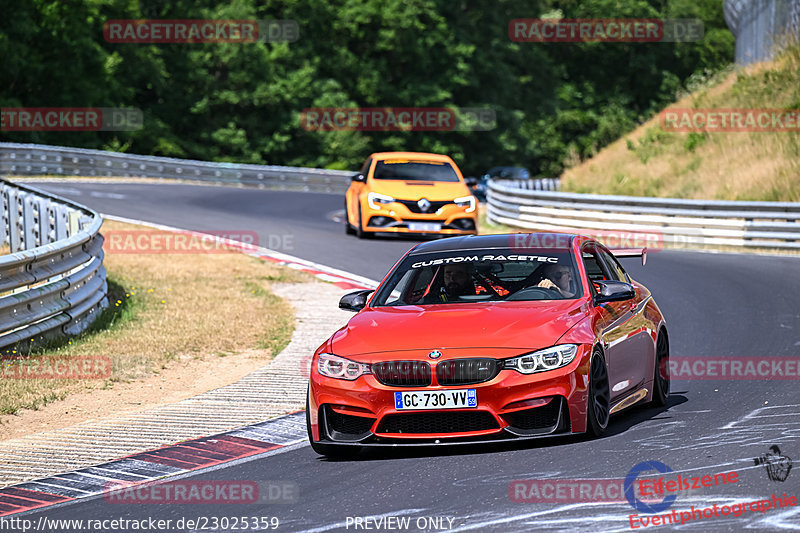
(717, 305)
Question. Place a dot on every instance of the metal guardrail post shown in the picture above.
(61, 222)
(43, 222)
(28, 225)
(74, 222)
(14, 226)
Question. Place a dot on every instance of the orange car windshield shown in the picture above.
(402, 169)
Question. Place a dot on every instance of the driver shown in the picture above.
(559, 278)
(457, 281)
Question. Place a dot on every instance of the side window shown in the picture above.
(400, 288)
(424, 279)
(419, 281)
(615, 269)
(593, 265)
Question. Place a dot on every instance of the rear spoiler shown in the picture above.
(631, 252)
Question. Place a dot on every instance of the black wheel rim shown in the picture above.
(600, 393)
(662, 360)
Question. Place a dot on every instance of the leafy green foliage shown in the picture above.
(693, 140)
(556, 103)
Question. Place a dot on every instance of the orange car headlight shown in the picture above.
(466, 201)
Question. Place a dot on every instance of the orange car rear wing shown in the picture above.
(631, 252)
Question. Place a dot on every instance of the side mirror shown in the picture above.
(471, 181)
(359, 178)
(613, 291)
(355, 301)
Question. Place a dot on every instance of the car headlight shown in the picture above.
(466, 201)
(543, 360)
(333, 366)
(376, 199)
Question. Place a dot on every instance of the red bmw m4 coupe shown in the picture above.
(489, 338)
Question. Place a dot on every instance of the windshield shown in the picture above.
(480, 275)
(509, 172)
(403, 169)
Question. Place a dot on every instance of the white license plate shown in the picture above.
(440, 399)
(424, 226)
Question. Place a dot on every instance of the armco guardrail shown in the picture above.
(536, 184)
(38, 159)
(53, 281)
(680, 223)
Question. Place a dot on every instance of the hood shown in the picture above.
(517, 326)
(415, 190)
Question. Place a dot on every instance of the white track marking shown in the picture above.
(793, 411)
(112, 195)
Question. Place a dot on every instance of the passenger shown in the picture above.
(457, 281)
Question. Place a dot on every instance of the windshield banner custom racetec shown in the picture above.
(483, 258)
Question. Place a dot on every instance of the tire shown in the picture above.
(599, 401)
(661, 380)
(360, 233)
(348, 229)
(328, 450)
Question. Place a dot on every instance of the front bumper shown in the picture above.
(511, 406)
(397, 218)
(555, 422)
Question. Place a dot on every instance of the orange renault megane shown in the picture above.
(491, 337)
(410, 192)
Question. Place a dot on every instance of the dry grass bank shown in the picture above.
(701, 165)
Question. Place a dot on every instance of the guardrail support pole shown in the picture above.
(13, 221)
(61, 222)
(74, 223)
